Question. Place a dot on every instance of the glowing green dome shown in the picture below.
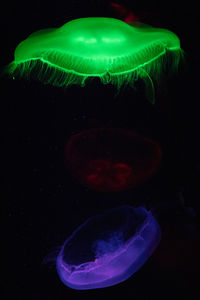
(107, 48)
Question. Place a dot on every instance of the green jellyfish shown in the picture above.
(106, 48)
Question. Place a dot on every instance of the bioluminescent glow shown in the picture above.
(107, 48)
(112, 159)
(107, 249)
(124, 13)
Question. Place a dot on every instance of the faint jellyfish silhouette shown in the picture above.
(106, 48)
(112, 159)
(108, 248)
(179, 249)
(180, 246)
(124, 13)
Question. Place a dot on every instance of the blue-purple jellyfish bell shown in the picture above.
(108, 248)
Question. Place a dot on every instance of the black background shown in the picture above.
(44, 204)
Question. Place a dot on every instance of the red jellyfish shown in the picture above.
(124, 13)
(112, 159)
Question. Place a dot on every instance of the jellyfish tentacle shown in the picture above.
(149, 85)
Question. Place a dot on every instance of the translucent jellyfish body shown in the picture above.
(107, 48)
(112, 159)
(107, 249)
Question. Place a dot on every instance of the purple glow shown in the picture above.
(108, 249)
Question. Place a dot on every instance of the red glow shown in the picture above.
(106, 175)
(124, 13)
(111, 160)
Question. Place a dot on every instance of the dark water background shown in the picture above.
(44, 204)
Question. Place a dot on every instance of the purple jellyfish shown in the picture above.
(108, 248)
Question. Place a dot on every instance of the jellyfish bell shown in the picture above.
(112, 159)
(106, 48)
(108, 248)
